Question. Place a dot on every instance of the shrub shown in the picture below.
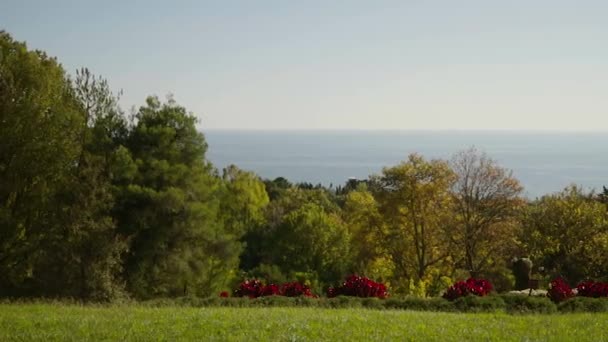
(357, 286)
(478, 287)
(592, 289)
(254, 289)
(306, 301)
(372, 303)
(479, 304)
(584, 304)
(518, 303)
(344, 302)
(236, 302)
(419, 304)
(270, 290)
(249, 288)
(296, 289)
(559, 290)
(272, 301)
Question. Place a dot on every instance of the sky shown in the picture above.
(430, 65)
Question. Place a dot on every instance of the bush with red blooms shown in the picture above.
(250, 288)
(592, 289)
(478, 287)
(357, 286)
(270, 290)
(224, 294)
(559, 290)
(254, 289)
(296, 289)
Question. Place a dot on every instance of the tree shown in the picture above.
(415, 200)
(486, 202)
(170, 210)
(39, 125)
(602, 197)
(303, 233)
(276, 187)
(368, 232)
(567, 234)
(81, 253)
(244, 200)
(311, 240)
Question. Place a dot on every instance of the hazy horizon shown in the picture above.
(544, 163)
(396, 130)
(472, 65)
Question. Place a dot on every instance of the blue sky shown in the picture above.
(538, 65)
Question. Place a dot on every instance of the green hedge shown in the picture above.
(584, 304)
(480, 304)
(510, 303)
(528, 304)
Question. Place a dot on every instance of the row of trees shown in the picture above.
(95, 204)
(422, 224)
(98, 205)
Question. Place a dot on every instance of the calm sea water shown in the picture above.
(543, 162)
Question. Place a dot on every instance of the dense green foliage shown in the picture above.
(567, 233)
(98, 205)
(94, 204)
(76, 323)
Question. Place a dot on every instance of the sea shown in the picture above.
(544, 162)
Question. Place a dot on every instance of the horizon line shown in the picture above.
(426, 130)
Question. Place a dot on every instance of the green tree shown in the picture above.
(81, 253)
(276, 187)
(414, 198)
(567, 234)
(314, 241)
(368, 232)
(40, 124)
(244, 200)
(170, 210)
(303, 233)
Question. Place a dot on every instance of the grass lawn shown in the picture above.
(46, 322)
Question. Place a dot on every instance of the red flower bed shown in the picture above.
(254, 289)
(357, 286)
(296, 289)
(270, 290)
(250, 288)
(559, 290)
(478, 287)
(592, 289)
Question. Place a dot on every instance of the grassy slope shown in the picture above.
(50, 322)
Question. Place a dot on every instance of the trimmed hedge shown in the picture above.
(510, 303)
(479, 304)
(584, 304)
(528, 304)
(419, 304)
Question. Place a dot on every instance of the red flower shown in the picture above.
(592, 289)
(296, 289)
(249, 288)
(224, 294)
(357, 286)
(478, 287)
(559, 290)
(270, 290)
(254, 289)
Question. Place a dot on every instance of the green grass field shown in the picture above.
(46, 322)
